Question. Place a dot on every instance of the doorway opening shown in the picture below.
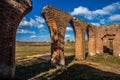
(111, 46)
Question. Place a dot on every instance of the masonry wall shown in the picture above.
(80, 28)
(57, 21)
(11, 13)
(103, 36)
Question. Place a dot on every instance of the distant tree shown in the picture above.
(72, 41)
(68, 41)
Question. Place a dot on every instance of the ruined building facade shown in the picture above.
(104, 39)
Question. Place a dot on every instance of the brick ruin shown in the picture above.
(100, 39)
(11, 13)
(105, 39)
(57, 21)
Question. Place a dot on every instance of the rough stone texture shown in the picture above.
(57, 21)
(11, 13)
(91, 39)
(116, 44)
(79, 27)
(106, 39)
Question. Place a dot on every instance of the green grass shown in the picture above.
(104, 58)
(26, 48)
(32, 49)
(75, 70)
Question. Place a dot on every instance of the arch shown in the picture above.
(57, 21)
(79, 27)
(11, 13)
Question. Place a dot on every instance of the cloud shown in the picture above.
(115, 18)
(107, 10)
(69, 29)
(80, 10)
(33, 22)
(33, 36)
(102, 21)
(96, 24)
(67, 36)
(22, 31)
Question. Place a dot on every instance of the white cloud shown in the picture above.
(37, 22)
(102, 21)
(69, 29)
(115, 17)
(96, 24)
(107, 10)
(22, 31)
(80, 10)
(67, 36)
(33, 36)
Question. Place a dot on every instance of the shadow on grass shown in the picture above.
(29, 69)
(80, 72)
(74, 72)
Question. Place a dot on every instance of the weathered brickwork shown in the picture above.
(11, 13)
(57, 21)
(91, 30)
(105, 39)
(79, 27)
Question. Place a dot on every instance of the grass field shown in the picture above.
(40, 48)
(30, 65)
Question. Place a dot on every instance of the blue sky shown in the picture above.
(33, 27)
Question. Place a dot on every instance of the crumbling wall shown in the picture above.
(57, 21)
(11, 13)
(79, 27)
(103, 36)
(116, 43)
(91, 39)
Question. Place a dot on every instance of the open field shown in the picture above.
(33, 63)
(23, 48)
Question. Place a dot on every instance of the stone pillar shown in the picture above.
(91, 40)
(11, 13)
(116, 44)
(79, 27)
(57, 21)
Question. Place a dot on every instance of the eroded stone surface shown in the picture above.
(11, 13)
(106, 39)
(57, 21)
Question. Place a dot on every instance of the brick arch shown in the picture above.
(80, 28)
(57, 21)
(11, 13)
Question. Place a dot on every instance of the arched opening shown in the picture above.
(69, 47)
(11, 14)
(86, 43)
(32, 47)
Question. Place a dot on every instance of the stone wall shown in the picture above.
(11, 13)
(57, 21)
(106, 39)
